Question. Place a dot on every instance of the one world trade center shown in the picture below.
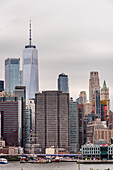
(30, 69)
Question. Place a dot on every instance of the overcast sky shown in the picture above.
(72, 37)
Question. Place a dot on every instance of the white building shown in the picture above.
(30, 70)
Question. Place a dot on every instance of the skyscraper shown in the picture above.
(52, 119)
(1, 85)
(105, 101)
(30, 70)
(12, 67)
(82, 97)
(74, 127)
(63, 83)
(93, 86)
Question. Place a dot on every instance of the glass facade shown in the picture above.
(30, 71)
(12, 67)
(74, 124)
(63, 83)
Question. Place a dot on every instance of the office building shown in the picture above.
(97, 104)
(12, 118)
(87, 108)
(81, 125)
(20, 78)
(74, 127)
(52, 119)
(105, 101)
(93, 86)
(31, 106)
(82, 97)
(1, 85)
(63, 83)
(30, 70)
(12, 67)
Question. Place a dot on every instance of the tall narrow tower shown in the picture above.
(93, 86)
(30, 69)
(12, 67)
(63, 83)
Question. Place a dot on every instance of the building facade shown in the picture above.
(52, 119)
(1, 85)
(82, 97)
(105, 101)
(93, 86)
(81, 125)
(30, 70)
(63, 83)
(74, 127)
(12, 67)
(12, 120)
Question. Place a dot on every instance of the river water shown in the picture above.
(54, 166)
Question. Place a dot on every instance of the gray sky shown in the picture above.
(72, 37)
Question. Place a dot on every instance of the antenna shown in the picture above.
(30, 33)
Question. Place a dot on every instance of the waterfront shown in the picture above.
(54, 166)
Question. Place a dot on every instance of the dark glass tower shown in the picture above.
(63, 83)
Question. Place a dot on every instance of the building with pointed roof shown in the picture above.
(105, 101)
(30, 69)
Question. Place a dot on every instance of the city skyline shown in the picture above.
(73, 37)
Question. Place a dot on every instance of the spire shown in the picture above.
(30, 33)
(30, 46)
(104, 85)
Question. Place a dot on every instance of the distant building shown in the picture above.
(98, 130)
(82, 97)
(110, 120)
(20, 78)
(87, 108)
(63, 83)
(12, 67)
(12, 119)
(97, 104)
(1, 85)
(52, 119)
(74, 127)
(105, 101)
(95, 151)
(31, 106)
(30, 70)
(93, 86)
(81, 125)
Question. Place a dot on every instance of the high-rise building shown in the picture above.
(52, 119)
(82, 97)
(12, 67)
(81, 125)
(12, 118)
(20, 78)
(30, 70)
(105, 101)
(74, 127)
(87, 108)
(1, 85)
(93, 86)
(63, 83)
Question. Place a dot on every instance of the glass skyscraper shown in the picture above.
(63, 83)
(30, 70)
(12, 67)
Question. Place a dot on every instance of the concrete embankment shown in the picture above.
(94, 161)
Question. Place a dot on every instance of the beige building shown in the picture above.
(93, 86)
(82, 97)
(31, 105)
(87, 108)
(98, 130)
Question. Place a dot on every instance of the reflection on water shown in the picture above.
(54, 166)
